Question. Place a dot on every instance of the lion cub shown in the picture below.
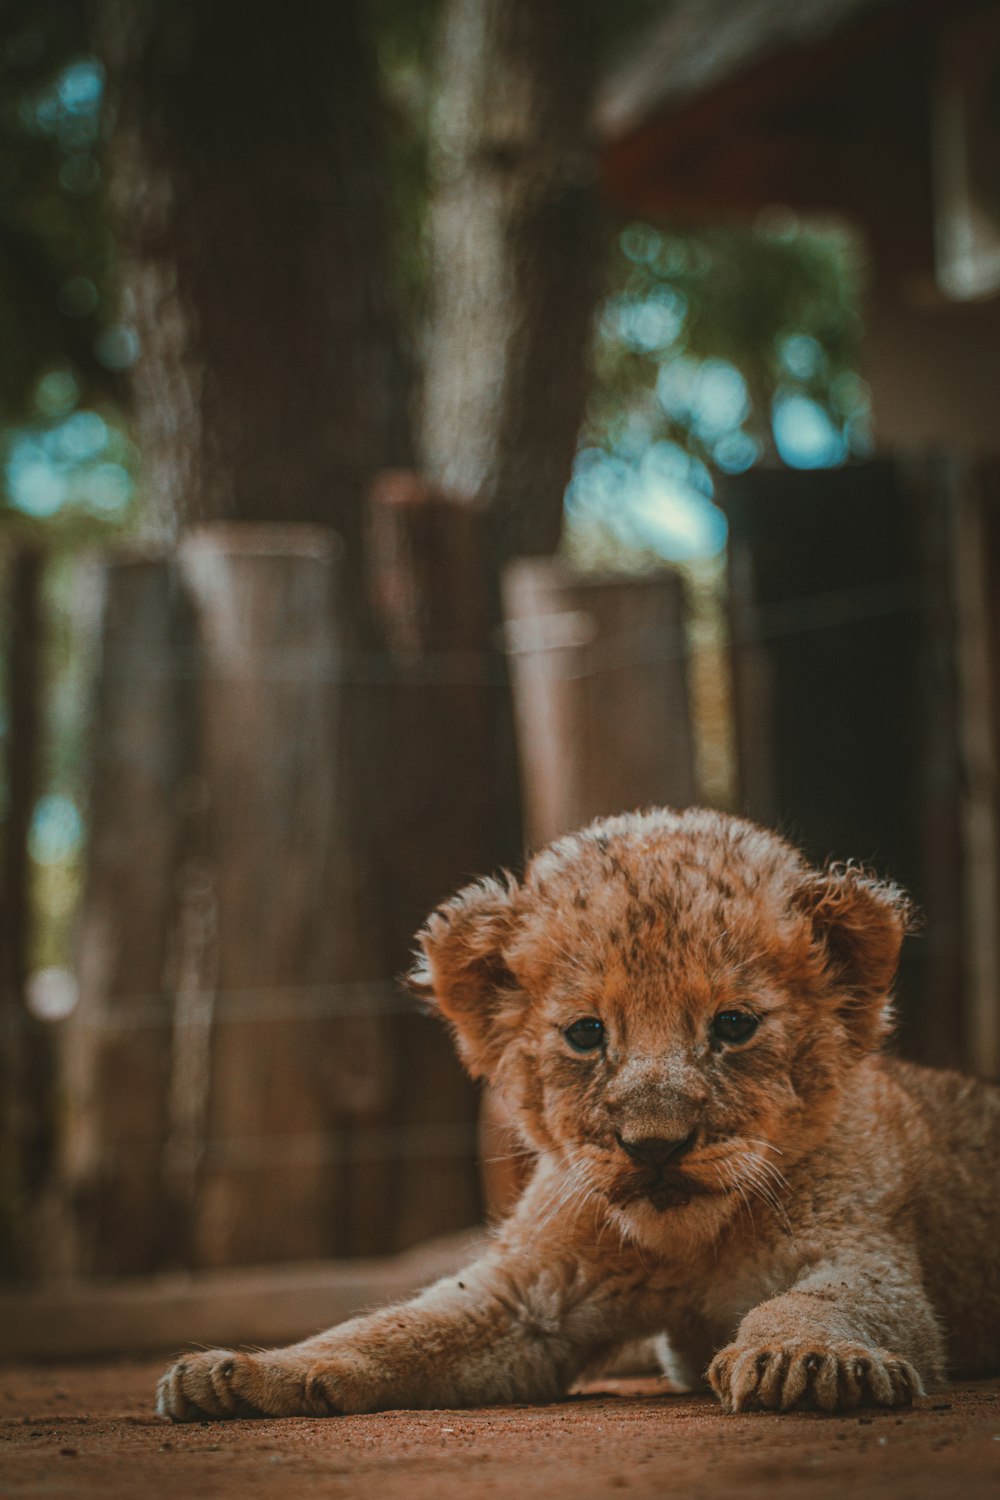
(685, 1020)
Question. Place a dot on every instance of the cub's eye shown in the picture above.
(733, 1026)
(586, 1035)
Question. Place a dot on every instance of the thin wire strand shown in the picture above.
(566, 661)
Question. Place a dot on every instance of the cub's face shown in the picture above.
(669, 1003)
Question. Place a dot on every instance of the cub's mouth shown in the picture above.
(662, 1188)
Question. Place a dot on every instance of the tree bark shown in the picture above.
(250, 197)
(517, 252)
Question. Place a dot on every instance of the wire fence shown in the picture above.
(280, 1002)
(569, 656)
(566, 646)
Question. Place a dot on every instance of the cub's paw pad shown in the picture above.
(833, 1376)
(221, 1385)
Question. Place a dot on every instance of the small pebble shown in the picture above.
(68, 1452)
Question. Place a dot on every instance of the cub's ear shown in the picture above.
(858, 928)
(460, 968)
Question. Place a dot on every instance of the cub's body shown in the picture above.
(916, 1158)
(685, 1022)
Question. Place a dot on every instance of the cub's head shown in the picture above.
(669, 1002)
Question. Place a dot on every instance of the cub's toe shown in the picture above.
(827, 1377)
(220, 1385)
(189, 1393)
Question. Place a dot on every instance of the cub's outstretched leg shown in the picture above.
(518, 1325)
(855, 1332)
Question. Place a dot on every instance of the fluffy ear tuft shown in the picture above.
(460, 968)
(858, 925)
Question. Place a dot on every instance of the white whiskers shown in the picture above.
(766, 1182)
(752, 1174)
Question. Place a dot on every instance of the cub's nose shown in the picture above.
(654, 1150)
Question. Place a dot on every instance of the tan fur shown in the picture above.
(831, 1236)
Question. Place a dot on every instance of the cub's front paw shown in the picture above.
(811, 1373)
(220, 1384)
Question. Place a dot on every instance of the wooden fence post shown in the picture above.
(280, 1040)
(599, 671)
(448, 800)
(230, 1036)
(117, 1042)
(26, 1124)
(844, 666)
(600, 689)
(972, 501)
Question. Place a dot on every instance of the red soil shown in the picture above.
(88, 1430)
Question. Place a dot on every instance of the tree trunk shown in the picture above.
(517, 251)
(249, 190)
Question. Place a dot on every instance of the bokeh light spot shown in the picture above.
(117, 347)
(51, 994)
(56, 393)
(56, 831)
(804, 435)
(80, 86)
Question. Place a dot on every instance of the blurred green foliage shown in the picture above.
(55, 248)
(66, 460)
(776, 303)
(715, 348)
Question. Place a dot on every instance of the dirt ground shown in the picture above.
(88, 1430)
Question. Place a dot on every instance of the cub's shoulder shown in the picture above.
(948, 1101)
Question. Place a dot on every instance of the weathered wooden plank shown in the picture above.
(600, 688)
(26, 1060)
(844, 651)
(279, 1041)
(447, 804)
(117, 1042)
(974, 516)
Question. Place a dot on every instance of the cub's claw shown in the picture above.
(830, 1377)
(220, 1385)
